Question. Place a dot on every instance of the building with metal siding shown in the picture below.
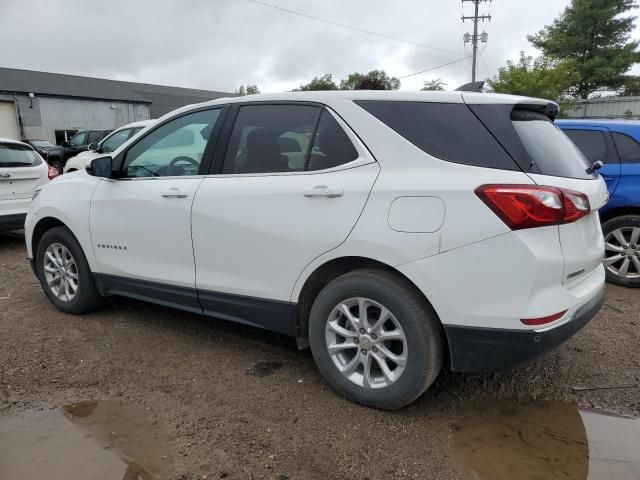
(606, 107)
(50, 106)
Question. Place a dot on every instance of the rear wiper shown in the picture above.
(595, 166)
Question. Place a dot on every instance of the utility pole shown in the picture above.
(474, 39)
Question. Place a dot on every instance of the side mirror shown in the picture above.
(65, 144)
(93, 146)
(101, 167)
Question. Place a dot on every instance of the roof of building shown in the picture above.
(56, 84)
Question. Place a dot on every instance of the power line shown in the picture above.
(435, 68)
(475, 18)
(349, 27)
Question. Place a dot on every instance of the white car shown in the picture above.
(22, 171)
(106, 146)
(420, 229)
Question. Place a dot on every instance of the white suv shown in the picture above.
(392, 232)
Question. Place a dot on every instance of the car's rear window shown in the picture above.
(448, 131)
(16, 155)
(550, 150)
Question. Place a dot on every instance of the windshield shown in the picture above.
(42, 143)
(16, 155)
(551, 151)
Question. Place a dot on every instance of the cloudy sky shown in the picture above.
(219, 44)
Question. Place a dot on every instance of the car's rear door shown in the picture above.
(596, 143)
(263, 215)
(628, 192)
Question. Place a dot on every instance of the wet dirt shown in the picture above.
(549, 440)
(86, 440)
(226, 410)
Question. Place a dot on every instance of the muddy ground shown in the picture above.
(205, 398)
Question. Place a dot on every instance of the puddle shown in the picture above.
(87, 440)
(264, 369)
(548, 441)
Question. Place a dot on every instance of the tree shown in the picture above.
(248, 90)
(324, 82)
(540, 77)
(374, 80)
(593, 35)
(437, 84)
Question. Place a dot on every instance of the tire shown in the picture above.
(627, 228)
(422, 346)
(57, 164)
(86, 296)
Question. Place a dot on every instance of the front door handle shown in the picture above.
(174, 193)
(324, 191)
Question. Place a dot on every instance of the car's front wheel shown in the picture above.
(64, 273)
(622, 250)
(375, 339)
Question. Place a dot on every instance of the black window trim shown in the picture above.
(364, 154)
(207, 156)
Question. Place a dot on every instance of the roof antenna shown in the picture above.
(471, 87)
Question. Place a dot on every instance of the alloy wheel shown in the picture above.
(622, 252)
(61, 272)
(366, 343)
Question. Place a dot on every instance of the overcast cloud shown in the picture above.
(217, 45)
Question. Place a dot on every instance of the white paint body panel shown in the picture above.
(416, 214)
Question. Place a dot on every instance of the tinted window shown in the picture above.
(270, 138)
(16, 155)
(591, 143)
(331, 146)
(549, 148)
(447, 131)
(114, 141)
(95, 137)
(78, 139)
(174, 149)
(628, 148)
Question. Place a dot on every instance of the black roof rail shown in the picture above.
(471, 87)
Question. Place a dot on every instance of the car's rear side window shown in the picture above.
(591, 143)
(628, 148)
(448, 131)
(16, 155)
(550, 150)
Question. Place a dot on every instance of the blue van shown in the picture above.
(617, 144)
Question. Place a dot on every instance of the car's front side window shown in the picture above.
(112, 143)
(174, 149)
(78, 139)
(95, 137)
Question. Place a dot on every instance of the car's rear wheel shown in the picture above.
(64, 273)
(375, 339)
(622, 250)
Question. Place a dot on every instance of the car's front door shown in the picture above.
(269, 211)
(141, 221)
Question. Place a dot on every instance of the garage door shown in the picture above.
(8, 122)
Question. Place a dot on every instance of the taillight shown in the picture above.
(53, 172)
(543, 320)
(529, 206)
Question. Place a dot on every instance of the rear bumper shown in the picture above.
(12, 222)
(474, 349)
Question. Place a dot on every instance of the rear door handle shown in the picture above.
(324, 191)
(174, 193)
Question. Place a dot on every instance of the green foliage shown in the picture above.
(324, 82)
(374, 80)
(595, 37)
(436, 84)
(248, 90)
(539, 77)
